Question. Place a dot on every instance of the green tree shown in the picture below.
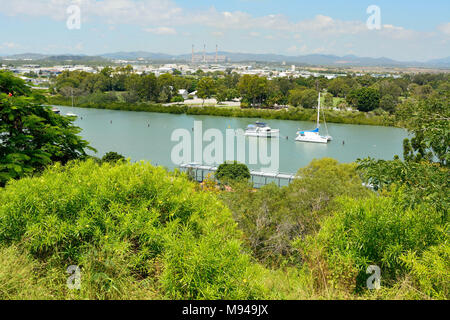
(338, 87)
(221, 94)
(206, 88)
(253, 89)
(295, 97)
(364, 99)
(113, 157)
(388, 103)
(11, 84)
(232, 171)
(309, 98)
(148, 88)
(328, 101)
(429, 121)
(32, 136)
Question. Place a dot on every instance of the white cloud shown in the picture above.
(166, 13)
(161, 31)
(9, 45)
(217, 34)
(445, 28)
(139, 12)
(297, 50)
(79, 46)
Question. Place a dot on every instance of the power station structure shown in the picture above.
(207, 58)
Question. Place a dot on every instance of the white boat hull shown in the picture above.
(263, 134)
(323, 140)
(312, 137)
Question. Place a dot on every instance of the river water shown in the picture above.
(147, 136)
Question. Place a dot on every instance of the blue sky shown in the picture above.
(409, 30)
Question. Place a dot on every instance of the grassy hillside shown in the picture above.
(140, 232)
(135, 230)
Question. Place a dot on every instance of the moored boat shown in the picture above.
(314, 136)
(261, 129)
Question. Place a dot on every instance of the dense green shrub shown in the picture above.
(129, 228)
(232, 171)
(430, 272)
(272, 217)
(113, 157)
(377, 231)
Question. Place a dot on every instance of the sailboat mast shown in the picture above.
(318, 112)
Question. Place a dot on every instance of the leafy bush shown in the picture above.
(134, 230)
(377, 231)
(177, 99)
(364, 99)
(431, 272)
(273, 217)
(113, 157)
(422, 182)
(232, 171)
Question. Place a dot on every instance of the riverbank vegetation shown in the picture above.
(141, 232)
(294, 114)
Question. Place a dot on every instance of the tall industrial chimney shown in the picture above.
(217, 53)
(193, 57)
(204, 53)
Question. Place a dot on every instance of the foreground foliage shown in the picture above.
(139, 232)
(273, 217)
(379, 231)
(134, 230)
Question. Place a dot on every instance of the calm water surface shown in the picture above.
(147, 136)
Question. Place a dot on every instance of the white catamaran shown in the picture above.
(314, 135)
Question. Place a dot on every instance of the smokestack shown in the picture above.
(204, 53)
(217, 53)
(192, 53)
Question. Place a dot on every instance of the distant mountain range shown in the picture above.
(312, 59)
(55, 58)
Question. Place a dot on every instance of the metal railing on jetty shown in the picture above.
(259, 179)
